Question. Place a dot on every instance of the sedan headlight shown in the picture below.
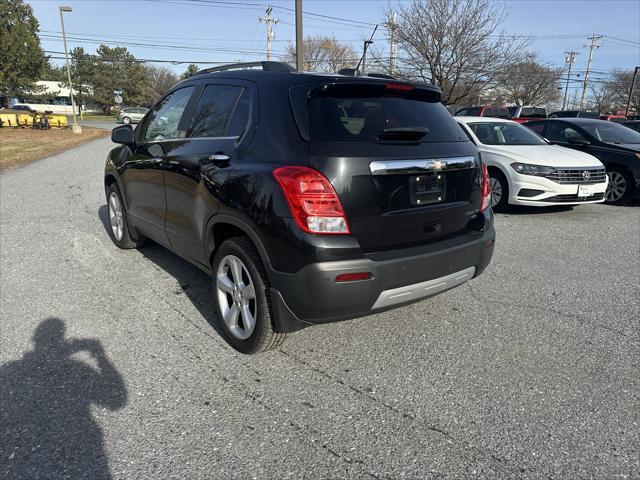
(530, 169)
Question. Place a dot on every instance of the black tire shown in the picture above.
(497, 177)
(126, 241)
(126, 120)
(613, 195)
(263, 336)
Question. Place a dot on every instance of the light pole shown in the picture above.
(76, 128)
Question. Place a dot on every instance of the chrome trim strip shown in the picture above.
(396, 167)
(421, 290)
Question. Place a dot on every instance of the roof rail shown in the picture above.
(265, 66)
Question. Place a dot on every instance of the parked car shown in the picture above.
(633, 124)
(574, 114)
(22, 108)
(131, 115)
(525, 169)
(615, 145)
(524, 114)
(496, 112)
(613, 118)
(309, 198)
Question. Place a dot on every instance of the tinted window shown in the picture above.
(213, 110)
(513, 111)
(559, 132)
(469, 112)
(533, 112)
(610, 132)
(502, 133)
(240, 118)
(348, 117)
(496, 112)
(165, 118)
(536, 127)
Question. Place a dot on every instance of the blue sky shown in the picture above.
(222, 32)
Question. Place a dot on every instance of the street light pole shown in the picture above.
(76, 128)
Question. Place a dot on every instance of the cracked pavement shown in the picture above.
(112, 365)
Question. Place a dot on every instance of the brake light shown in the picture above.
(313, 202)
(399, 87)
(486, 189)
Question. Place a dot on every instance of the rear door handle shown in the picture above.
(219, 158)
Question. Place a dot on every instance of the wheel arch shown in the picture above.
(222, 226)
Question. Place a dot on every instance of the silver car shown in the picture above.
(131, 115)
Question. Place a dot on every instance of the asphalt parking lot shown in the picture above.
(112, 367)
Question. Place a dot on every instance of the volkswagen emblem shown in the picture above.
(586, 175)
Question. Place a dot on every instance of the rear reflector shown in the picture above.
(353, 277)
(313, 202)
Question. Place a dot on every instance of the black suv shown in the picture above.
(309, 198)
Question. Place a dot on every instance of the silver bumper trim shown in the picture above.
(426, 289)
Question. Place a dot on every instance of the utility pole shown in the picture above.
(569, 58)
(392, 43)
(633, 82)
(299, 40)
(76, 128)
(271, 22)
(594, 38)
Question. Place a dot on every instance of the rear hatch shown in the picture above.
(403, 169)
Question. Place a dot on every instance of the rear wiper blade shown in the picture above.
(403, 133)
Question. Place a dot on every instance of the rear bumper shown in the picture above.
(312, 296)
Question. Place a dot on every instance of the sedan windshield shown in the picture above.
(609, 132)
(502, 133)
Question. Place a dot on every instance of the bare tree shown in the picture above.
(620, 86)
(603, 97)
(529, 82)
(454, 44)
(161, 79)
(323, 54)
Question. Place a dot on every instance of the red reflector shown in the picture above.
(399, 86)
(352, 277)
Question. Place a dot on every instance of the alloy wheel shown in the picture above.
(617, 187)
(236, 297)
(496, 191)
(116, 216)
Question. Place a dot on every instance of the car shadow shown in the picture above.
(526, 210)
(47, 428)
(192, 282)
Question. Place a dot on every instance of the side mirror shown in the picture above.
(123, 134)
(578, 141)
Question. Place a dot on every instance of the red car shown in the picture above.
(524, 114)
(613, 118)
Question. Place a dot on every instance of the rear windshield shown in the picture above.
(348, 114)
(533, 112)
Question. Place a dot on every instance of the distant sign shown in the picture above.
(118, 99)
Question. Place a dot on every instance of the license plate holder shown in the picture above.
(427, 189)
(585, 191)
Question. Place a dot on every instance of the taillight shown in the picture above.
(312, 200)
(486, 189)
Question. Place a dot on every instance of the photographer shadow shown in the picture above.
(46, 426)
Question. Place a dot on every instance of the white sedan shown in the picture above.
(525, 169)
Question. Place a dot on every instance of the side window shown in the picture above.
(165, 118)
(211, 116)
(467, 134)
(562, 133)
(240, 118)
(536, 127)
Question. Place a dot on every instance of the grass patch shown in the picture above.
(19, 146)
